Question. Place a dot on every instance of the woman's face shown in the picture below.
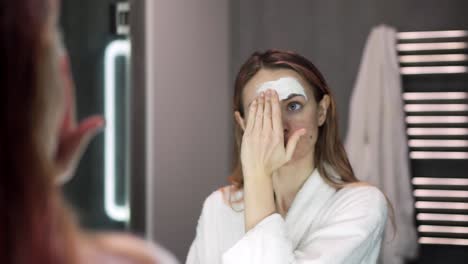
(297, 111)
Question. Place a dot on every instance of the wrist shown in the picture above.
(255, 173)
(258, 198)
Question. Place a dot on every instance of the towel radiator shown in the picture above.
(434, 68)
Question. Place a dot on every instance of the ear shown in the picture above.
(322, 109)
(239, 120)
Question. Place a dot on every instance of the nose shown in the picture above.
(285, 127)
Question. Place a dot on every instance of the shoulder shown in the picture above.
(222, 198)
(213, 201)
(221, 206)
(362, 193)
(162, 255)
(362, 201)
(120, 246)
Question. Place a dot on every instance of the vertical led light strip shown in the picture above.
(113, 50)
(150, 64)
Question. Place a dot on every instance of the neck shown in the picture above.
(288, 180)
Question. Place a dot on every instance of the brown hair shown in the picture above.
(330, 157)
(37, 226)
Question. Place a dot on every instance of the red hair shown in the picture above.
(37, 226)
(32, 224)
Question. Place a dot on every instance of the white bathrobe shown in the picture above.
(322, 226)
(376, 141)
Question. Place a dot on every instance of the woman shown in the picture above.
(41, 144)
(294, 197)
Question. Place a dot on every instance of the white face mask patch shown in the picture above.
(284, 86)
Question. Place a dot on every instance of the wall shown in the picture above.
(332, 33)
(187, 50)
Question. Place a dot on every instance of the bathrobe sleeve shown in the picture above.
(194, 251)
(162, 255)
(203, 248)
(353, 229)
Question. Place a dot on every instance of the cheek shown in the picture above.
(307, 142)
(307, 120)
(309, 139)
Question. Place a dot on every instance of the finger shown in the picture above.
(251, 117)
(89, 124)
(259, 115)
(276, 114)
(69, 119)
(267, 112)
(69, 156)
(292, 143)
(72, 144)
(239, 120)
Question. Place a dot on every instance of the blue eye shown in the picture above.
(294, 106)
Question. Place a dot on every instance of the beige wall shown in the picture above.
(189, 102)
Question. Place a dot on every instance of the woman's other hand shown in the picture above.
(73, 137)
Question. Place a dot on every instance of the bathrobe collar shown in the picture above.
(307, 203)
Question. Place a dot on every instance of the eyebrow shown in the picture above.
(289, 97)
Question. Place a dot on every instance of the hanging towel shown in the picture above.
(376, 141)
